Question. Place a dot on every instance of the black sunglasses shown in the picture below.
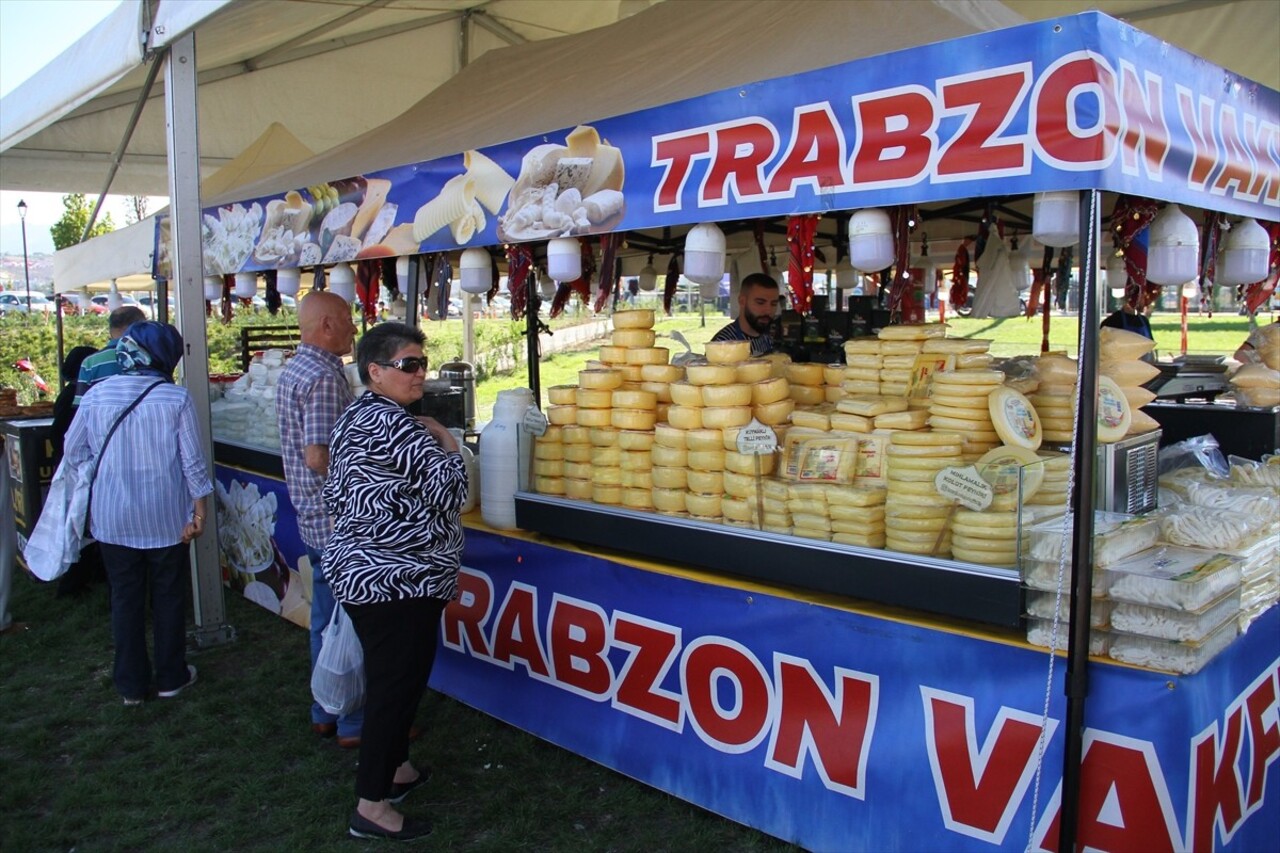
(408, 364)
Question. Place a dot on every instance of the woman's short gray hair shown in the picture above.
(382, 342)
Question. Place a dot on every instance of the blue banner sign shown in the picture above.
(1072, 103)
(843, 731)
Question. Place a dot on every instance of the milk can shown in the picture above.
(461, 374)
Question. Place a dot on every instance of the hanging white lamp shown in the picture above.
(944, 292)
(564, 259)
(648, 278)
(477, 271)
(212, 288)
(1020, 267)
(1055, 218)
(287, 281)
(1191, 290)
(402, 273)
(546, 287)
(870, 240)
(847, 277)
(1173, 250)
(704, 254)
(1117, 273)
(342, 281)
(246, 285)
(1244, 258)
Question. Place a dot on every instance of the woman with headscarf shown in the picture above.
(148, 502)
(395, 490)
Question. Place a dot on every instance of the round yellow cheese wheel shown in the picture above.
(613, 355)
(736, 509)
(579, 489)
(807, 395)
(770, 391)
(973, 414)
(635, 318)
(745, 463)
(661, 372)
(637, 498)
(918, 463)
(648, 355)
(637, 479)
(1014, 418)
(957, 401)
(948, 452)
(1005, 467)
(686, 394)
(899, 476)
(1057, 437)
(631, 372)
(588, 398)
(773, 414)
(548, 467)
(834, 393)
(606, 455)
(915, 525)
(633, 338)
(899, 488)
(669, 457)
(670, 478)
(661, 391)
(726, 395)
(633, 400)
(984, 558)
(548, 485)
(577, 452)
(707, 460)
(548, 450)
(562, 414)
(705, 505)
(595, 417)
(728, 352)
(924, 438)
(805, 374)
(669, 500)
(963, 427)
(633, 419)
(610, 495)
(631, 439)
(603, 436)
(1114, 415)
(976, 379)
(704, 439)
(562, 395)
(599, 380)
(706, 482)
(1049, 424)
(661, 411)
(719, 417)
(740, 485)
(752, 370)
(833, 374)
(684, 417)
(666, 435)
(606, 475)
(635, 460)
(711, 374)
(574, 434)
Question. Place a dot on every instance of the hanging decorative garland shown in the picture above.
(1129, 220)
(800, 233)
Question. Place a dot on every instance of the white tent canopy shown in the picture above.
(128, 251)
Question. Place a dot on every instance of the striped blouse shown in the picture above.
(395, 496)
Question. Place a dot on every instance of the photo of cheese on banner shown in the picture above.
(463, 199)
(564, 190)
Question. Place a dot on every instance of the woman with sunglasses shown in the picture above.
(395, 489)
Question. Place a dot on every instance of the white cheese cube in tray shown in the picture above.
(1164, 624)
(1174, 656)
(1178, 578)
(1042, 575)
(1040, 606)
(1115, 537)
(1040, 631)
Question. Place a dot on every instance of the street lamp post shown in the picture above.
(26, 266)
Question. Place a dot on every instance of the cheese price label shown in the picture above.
(535, 422)
(927, 364)
(965, 486)
(757, 438)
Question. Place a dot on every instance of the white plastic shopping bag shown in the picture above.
(337, 683)
(59, 534)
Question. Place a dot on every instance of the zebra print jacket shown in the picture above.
(394, 494)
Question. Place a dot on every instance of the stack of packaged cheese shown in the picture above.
(1055, 396)
(862, 361)
(1122, 363)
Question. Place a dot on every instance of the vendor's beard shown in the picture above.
(759, 322)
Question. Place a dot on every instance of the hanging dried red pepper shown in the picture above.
(800, 232)
(671, 284)
(368, 274)
(608, 268)
(519, 268)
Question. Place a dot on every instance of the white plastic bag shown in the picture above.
(59, 534)
(337, 682)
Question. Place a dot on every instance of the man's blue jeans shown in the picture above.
(322, 605)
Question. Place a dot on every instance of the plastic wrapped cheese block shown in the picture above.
(866, 345)
(845, 422)
(1176, 578)
(909, 420)
(856, 496)
(603, 380)
(727, 352)
(913, 332)
(813, 418)
(869, 406)
(1123, 345)
(1164, 624)
(1128, 373)
(1180, 657)
(638, 318)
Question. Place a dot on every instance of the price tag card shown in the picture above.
(757, 438)
(535, 422)
(965, 486)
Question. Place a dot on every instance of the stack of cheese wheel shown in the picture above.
(862, 363)
(744, 478)
(899, 346)
(1122, 353)
(669, 474)
(631, 345)
(1053, 485)
(548, 462)
(857, 515)
(657, 379)
(988, 538)
(606, 465)
(807, 383)
(577, 461)
(635, 458)
(916, 516)
(958, 404)
(807, 504)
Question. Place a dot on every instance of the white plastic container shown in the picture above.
(505, 450)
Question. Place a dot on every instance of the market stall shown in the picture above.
(763, 702)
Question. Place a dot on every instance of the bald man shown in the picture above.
(311, 393)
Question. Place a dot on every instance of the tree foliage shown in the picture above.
(68, 230)
(135, 208)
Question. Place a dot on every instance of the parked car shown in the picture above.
(260, 302)
(16, 302)
(150, 305)
(102, 300)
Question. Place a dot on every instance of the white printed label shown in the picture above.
(965, 486)
(757, 438)
(535, 422)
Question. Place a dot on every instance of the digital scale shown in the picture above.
(1190, 377)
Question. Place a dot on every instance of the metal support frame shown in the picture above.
(1077, 676)
(188, 280)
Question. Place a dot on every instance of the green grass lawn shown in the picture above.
(232, 765)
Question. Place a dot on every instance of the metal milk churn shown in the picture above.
(461, 374)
